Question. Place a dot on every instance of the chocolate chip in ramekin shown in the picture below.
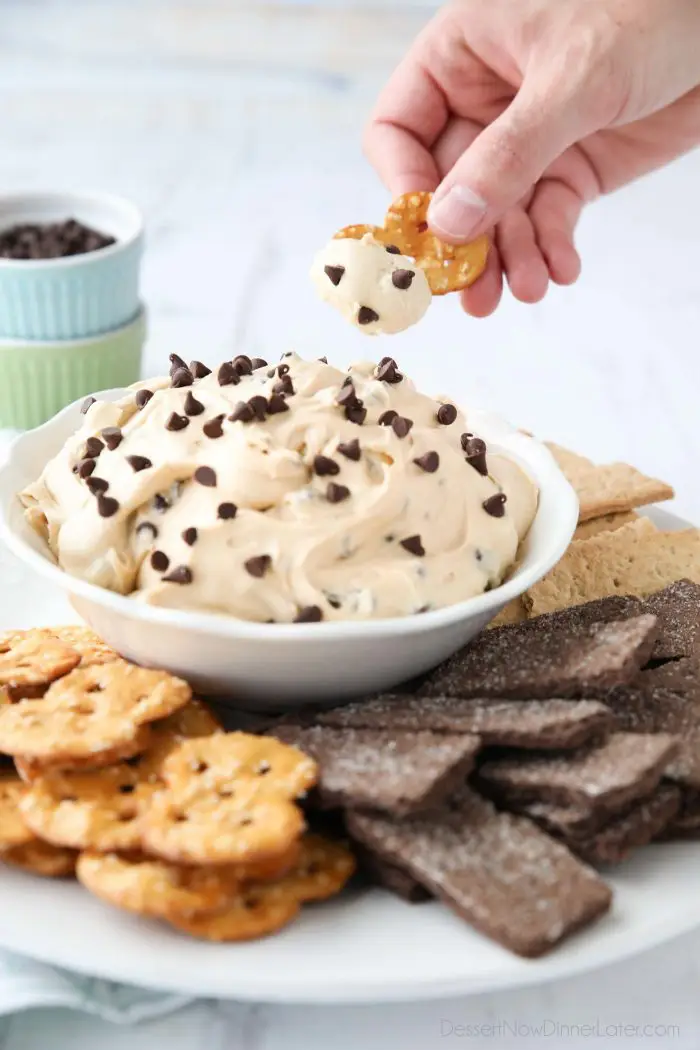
(193, 407)
(413, 545)
(258, 565)
(181, 574)
(205, 476)
(446, 414)
(495, 505)
(226, 511)
(138, 463)
(199, 370)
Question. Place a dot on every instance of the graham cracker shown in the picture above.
(606, 523)
(637, 559)
(513, 612)
(610, 489)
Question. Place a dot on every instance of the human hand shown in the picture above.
(519, 112)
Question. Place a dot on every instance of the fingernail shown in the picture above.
(457, 212)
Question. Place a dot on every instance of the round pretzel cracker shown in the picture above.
(102, 810)
(323, 868)
(154, 887)
(259, 909)
(89, 712)
(31, 769)
(448, 267)
(13, 830)
(91, 649)
(41, 858)
(227, 760)
(255, 911)
(30, 662)
(224, 826)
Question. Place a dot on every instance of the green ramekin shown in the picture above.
(39, 378)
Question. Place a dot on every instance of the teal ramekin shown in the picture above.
(81, 295)
(41, 378)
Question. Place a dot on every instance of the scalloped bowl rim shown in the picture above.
(556, 494)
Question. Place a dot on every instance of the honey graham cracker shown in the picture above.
(637, 559)
(610, 489)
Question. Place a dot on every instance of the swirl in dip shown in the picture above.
(285, 493)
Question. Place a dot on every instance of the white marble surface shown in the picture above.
(236, 127)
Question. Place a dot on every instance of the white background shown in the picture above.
(236, 127)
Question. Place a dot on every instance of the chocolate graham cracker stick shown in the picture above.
(627, 766)
(505, 723)
(613, 840)
(390, 877)
(544, 659)
(666, 699)
(397, 773)
(499, 872)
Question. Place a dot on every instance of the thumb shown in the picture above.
(501, 166)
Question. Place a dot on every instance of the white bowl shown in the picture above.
(273, 666)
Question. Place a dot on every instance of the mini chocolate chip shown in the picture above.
(401, 426)
(199, 370)
(243, 365)
(193, 407)
(143, 397)
(323, 360)
(335, 603)
(182, 377)
(258, 362)
(429, 462)
(421, 227)
(324, 465)
(85, 468)
(495, 505)
(446, 414)
(139, 462)
(227, 375)
(309, 614)
(259, 565)
(226, 511)
(478, 554)
(147, 526)
(97, 485)
(258, 403)
(160, 561)
(346, 395)
(387, 418)
(287, 353)
(176, 422)
(175, 363)
(336, 493)
(242, 413)
(334, 274)
(160, 503)
(413, 545)
(366, 315)
(179, 575)
(356, 413)
(475, 450)
(93, 447)
(190, 536)
(388, 371)
(276, 403)
(350, 449)
(87, 403)
(106, 506)
(282, 370)
(214, 428)
(112, 437)
(205, 476)
(393, 249)
(284, 386)
(402, 279)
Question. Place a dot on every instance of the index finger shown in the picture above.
(410, 113)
